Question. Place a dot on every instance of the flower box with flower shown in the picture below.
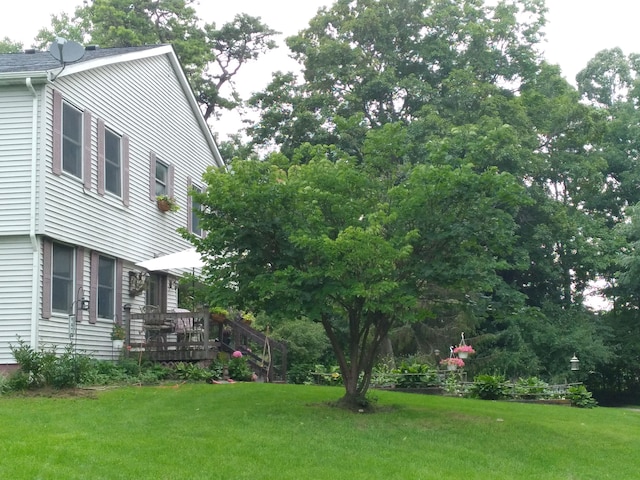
(452, 363)
(167, 203)
(463, 351)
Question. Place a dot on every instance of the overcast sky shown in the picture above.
(576, 29)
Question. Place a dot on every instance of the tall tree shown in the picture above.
(211, 57)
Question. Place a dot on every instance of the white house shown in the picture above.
(85, 148)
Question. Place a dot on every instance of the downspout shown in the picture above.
(35, 250)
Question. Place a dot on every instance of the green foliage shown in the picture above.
(580, 397)
(239, 369)
(5, 385)
(300, 373)
(489, 387)
(48, 367)
(210, 56)
(9, 46)
(306, 341)
(415, 375)
(531, 388)
(191, 371)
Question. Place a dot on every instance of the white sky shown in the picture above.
(576, 30)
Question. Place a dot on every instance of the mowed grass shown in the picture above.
(267, 431)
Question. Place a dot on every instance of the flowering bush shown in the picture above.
(237, 354)
(458, 362)
(464, 348)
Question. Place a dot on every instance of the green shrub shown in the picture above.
(489, 387)
(415, 375)
(581, 397)
(239, 369)
(300, 374)
(531, 388)
(191, 371)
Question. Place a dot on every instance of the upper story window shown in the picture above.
(162, 178)
(112, 163)
(161, 175)
(62, 278)
(106, 286)
(72, 140)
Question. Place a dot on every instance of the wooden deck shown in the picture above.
(192, 337)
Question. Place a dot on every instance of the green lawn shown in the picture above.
(265, 431)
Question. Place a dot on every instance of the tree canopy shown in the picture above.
(211, 56)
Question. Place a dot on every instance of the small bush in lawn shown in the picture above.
(581, 397)
(489, 387)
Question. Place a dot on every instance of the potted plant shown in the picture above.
(452, 363)
(118, 335)
(219, 314)
(463, 351)
(167, 203)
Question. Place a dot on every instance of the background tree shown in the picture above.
(9, 46)
(408, 82)
(211, 57)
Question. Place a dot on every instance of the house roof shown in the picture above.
(42, 67)
(43, 61)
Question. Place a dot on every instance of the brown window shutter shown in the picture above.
(100, 157)
(152, 176)
(189, 206)
(118, 285)
(86, 149)
(79, 282)
(170, 178)
(47, 249)
(125, 170)
(93, 289)
(57, 132)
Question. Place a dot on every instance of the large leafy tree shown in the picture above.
(211, 56)
(335, 242)
(461, 83)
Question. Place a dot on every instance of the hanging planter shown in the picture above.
(452, 363)
(463, 350)
(167, 203)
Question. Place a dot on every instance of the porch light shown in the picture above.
(574, 363)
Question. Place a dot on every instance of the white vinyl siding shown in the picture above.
(157, 119)
(143, 102)
(15, 160)
(15, 293)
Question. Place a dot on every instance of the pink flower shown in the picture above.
(464, 348)
(452, 361)
(237, 354)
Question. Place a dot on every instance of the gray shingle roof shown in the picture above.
(41, 61)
